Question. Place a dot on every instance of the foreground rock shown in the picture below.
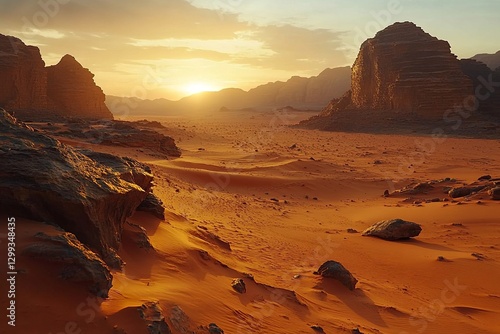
(394, 229)
(44, 180)
(80, 263)
(214, 329)
(153, 205)
(335, 270)
(33, 91)
(495, 193)
(238, 285)
(152, 314)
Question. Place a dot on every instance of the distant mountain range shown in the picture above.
(312, 93)
(492, 60)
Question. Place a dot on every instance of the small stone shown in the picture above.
(238, 285)
(351, 230)
(335, 270)
(484, 178)
(317, 328)
(214, 329)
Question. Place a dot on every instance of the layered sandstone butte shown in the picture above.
(405, 69)
(31, 90)
(401, 74)
(23, 78)
(73, 90)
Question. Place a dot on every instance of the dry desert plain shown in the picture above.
(252, 196)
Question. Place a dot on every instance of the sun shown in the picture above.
(198, 87)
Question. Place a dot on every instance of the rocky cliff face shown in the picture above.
(403, 68)
(23, 79)
(88, 195)
(491, 60)
(74, 92)
(31, 90)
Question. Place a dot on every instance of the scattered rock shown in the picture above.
(351, 230)
(294, 146)
(386, 193)
(484, 178)
(152, 314)
(238, 285)
(180, 320)
(478, 256)
(393, 229)
(464, 191)
(318, 328)
(335, 270)
(356, 331)
(80, 264)
(153, 205)
(495, 193)
(214, 329)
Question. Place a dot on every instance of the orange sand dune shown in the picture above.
(284, 210)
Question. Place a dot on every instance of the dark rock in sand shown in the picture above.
(393, 229)
(214, 329)
(138, 235)
(45, 180)
(80, 263)
(152, 314)
(335, 270)
(484, 178)
(465, 191)
(318, 329)
(153, 205)
(495, 193)
(238, 285)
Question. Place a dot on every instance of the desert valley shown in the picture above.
(362, 200)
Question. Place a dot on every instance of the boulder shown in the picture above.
(80, 263)
(495, 193)
(152, 314)
(335, 270)
(45, 180)
(214, 329)
(238, 285)
(464, 191)
(153, 205)
(393, 229)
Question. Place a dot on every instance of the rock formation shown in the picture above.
(335, 270)
(402, 73)
(481, 76)
(31, 90)
(491, 60)
(74, 92)
(403, 68)
(80, 264)
(44, 180)
(394, 229)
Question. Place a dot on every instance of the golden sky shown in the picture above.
(171, 48)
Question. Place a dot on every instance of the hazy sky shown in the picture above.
(170, 48)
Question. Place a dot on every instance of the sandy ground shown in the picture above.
(252, 196)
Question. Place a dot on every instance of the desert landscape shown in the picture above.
(364, 199)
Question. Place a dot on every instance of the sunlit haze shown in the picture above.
(170, 49)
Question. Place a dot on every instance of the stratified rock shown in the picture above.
(23, 84)
(80, 263)
(152, 314)
(153, 205)
(393, 229)
(238, 285)
(403, 68)
(495, 193)
(465, 191)
(33, 91)
(44, 180)
(74, 92)
(335, 270)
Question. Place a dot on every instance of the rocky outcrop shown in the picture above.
(152, 314)
(153, 205)
(44, 180)
(33, 91)
(335, 270)
(23, 84)
(403, 68)
(74, 92)
(485, 82)
(80, 264)
(402, 74)
(394, 229)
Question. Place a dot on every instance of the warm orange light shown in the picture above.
(198, 87)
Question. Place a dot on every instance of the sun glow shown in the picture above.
(198, 87)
